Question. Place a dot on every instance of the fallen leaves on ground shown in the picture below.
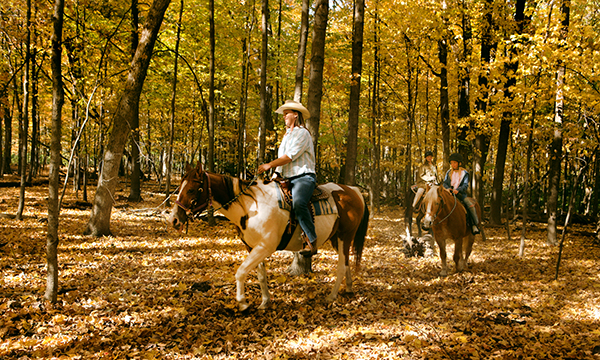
(150, 292)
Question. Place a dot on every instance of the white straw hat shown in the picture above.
(296, 106)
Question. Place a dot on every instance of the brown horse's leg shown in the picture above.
(442, 245)
(459, 261)
(469, 247)
(341, 271)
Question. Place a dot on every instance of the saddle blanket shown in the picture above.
(322, 207)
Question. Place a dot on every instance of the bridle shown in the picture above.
(191, 211)
(440, 209)
(197, 210)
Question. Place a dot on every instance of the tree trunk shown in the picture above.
(302, 51)
(464, 102)
(262, 130)
(556, 147)
(25, 115)
(596, 190)
(55, 159)
(135, 191)
(511, 70)
(315, 82)
(444, 101)
(173, 108)
(375, 115)
(355, 80)
(99, 222)
(7, 118)
(210, 166)
(35, 125)
(526, 184)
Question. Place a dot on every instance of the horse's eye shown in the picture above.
(191, 191)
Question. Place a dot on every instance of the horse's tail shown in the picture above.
(359, 237)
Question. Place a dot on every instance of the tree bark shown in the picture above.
(355, 80)
(173, 107)
(375, 117)
(557, 141)
(464, 100)
(135, 191)
(55, 159)
(262, 130)
(210, 166)
(302, 51)
(25, 115)
(315, 81)
(444, 101)
(99, 222)
(511, 70)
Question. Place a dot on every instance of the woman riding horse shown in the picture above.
(427, 176)
(457, 182)
(296, 162)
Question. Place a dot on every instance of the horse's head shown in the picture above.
(430, 205)
(193, 196)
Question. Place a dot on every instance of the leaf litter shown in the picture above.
(150, 292)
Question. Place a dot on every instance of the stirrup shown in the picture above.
(312, 248)
(475, 230)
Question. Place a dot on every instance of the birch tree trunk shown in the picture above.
(99, 222)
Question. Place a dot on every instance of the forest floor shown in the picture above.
(150, 292)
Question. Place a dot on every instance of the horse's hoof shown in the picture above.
(264, 305)
(244, 306)
(331, 298)
(443, 273)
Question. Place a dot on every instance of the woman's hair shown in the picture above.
(299, 119)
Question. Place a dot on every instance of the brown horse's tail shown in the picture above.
(359, 237)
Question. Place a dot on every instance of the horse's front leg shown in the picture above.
(443, 255)
(264, 287)
(256, 256)
(459, 260)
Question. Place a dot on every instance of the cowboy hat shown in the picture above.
(294, 105)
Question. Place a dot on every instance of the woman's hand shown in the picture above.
(264, 167)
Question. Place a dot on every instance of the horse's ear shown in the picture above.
(199, 167)
(188, 167)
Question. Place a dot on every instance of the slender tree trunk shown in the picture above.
(355, 80)
(503, 138)
(55, 159)
(464, 100)
(262, 130)
(25, 118)
(301, 51)
(444, 101)
(173, 108)
(526, 183)
(99, 222)
(596, 190)
(375, 114)
(315, 82)
(557, 142)
(211, 90)
(135, 191)
(33, 159)
(244, 93)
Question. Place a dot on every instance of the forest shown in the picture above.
(102, 105)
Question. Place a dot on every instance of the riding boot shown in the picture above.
(474, 219)
(312, 247)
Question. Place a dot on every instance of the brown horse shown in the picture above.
(254, 209)
(446, 215)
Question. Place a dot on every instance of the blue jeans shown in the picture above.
(302, 189)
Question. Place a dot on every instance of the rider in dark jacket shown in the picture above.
(457, 182)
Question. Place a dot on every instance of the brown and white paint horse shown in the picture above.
(253, 208)
(446, 215)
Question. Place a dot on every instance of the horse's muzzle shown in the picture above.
(177, 218)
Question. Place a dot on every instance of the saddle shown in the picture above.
(285, 186)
